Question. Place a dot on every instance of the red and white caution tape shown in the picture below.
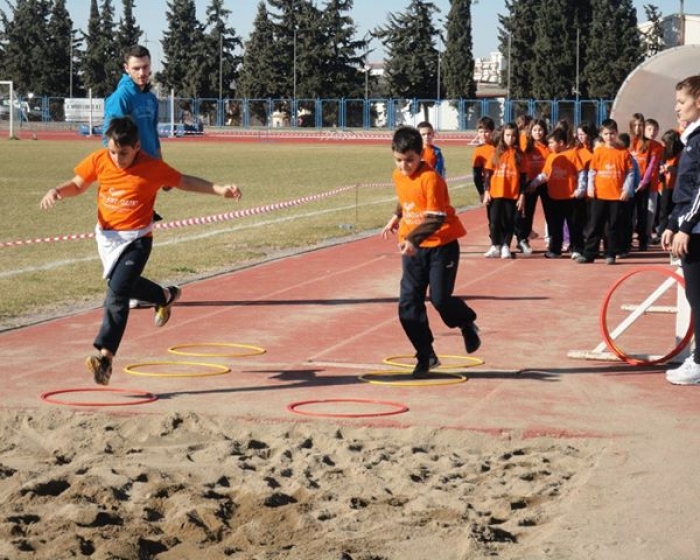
(213, 218)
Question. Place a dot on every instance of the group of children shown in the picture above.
(594, 185)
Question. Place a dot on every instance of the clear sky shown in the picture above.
(367, 14)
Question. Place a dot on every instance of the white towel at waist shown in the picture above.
(111, 244)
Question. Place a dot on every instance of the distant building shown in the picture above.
(678, 29)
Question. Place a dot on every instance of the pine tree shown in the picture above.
(128, 32)
(26, 44)
(111, 53)
(458, 59)
(93, 73)
(654, 41)
(259, 77)
(554, 50)
(517, 43)
(60, 31)
(409, 41)
(614, 48)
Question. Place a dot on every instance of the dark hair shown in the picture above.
(673, 146)
(136, 51)
(590, 131)
(425, 124)
(610, 124)
(624, 139)
(501, 145)
(123, 131)
(407, 139)
(559, 135)
(487, 123)
(691, 84)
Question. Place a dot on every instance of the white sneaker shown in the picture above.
(687, 374)
(575, 255)
(524, 247)
(505, 252)
(138, 304)
(493, 253)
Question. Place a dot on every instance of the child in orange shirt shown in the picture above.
(671, 141)
(610, 186)
(431, 153)
(504, 193)
(428, 230)
(563, 172)
(483, 152)
(535, 154)
(129, 181)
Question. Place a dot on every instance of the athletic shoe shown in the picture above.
(162, 313)
(575, 255)
(470, 334)
(505, 252)
(525, 247)
(687, 374)
(493, 253)
(623, 255)
(423, 366)
(101, 368)
(584, 260)
(609, 260)
(552, 255)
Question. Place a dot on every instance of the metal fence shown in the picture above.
(365, 114)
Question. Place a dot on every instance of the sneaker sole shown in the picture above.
(176, 296)
(93, 365)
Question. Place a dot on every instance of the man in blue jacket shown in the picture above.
(133, 98)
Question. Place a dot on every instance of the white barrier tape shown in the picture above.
(213, 218)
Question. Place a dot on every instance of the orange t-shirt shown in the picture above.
(657, 153)
(429, 155)
(423, 193)
(126, 197)
(611, 166)
(562, 171)
(584, 155)
(534, 160)
(482, 154)
(671, 172)
(505, 178)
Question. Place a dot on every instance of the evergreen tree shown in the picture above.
(259, 76)
(458, 59)
(60, 31)
(554, 50)
(112, 53)
(128, 32)
(409, 40)
(614, 48)
(93, 72)
(346, 55)
(219, 68)
(654, 41)
(517, 43)
(26, 44)
(183, 49)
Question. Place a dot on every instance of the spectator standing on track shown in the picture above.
(682, 236)
(129, 181)
(431, 153)
(671, 140)
(610, 186)
(483, 152)
(504, 191)
(428, 230)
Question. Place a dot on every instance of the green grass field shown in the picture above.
(43, 279)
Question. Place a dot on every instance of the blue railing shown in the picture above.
(366, 114)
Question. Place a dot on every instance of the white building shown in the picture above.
(678, 29)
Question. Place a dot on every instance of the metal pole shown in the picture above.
(70, 83)
(221, 64)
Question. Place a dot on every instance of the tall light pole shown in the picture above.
(438, 65)
(294, 65)
(221, 65)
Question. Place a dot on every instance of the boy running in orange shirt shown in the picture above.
(610, 186)
(428, 230)
(129, 181)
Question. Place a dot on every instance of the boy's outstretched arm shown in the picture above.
(199, 185)
(74, 187)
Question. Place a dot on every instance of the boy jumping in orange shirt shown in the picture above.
(129, 181)
(428, 230)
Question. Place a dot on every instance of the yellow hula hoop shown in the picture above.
(467, 362)
(253, 350)
(408, 381)
(217, 369)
